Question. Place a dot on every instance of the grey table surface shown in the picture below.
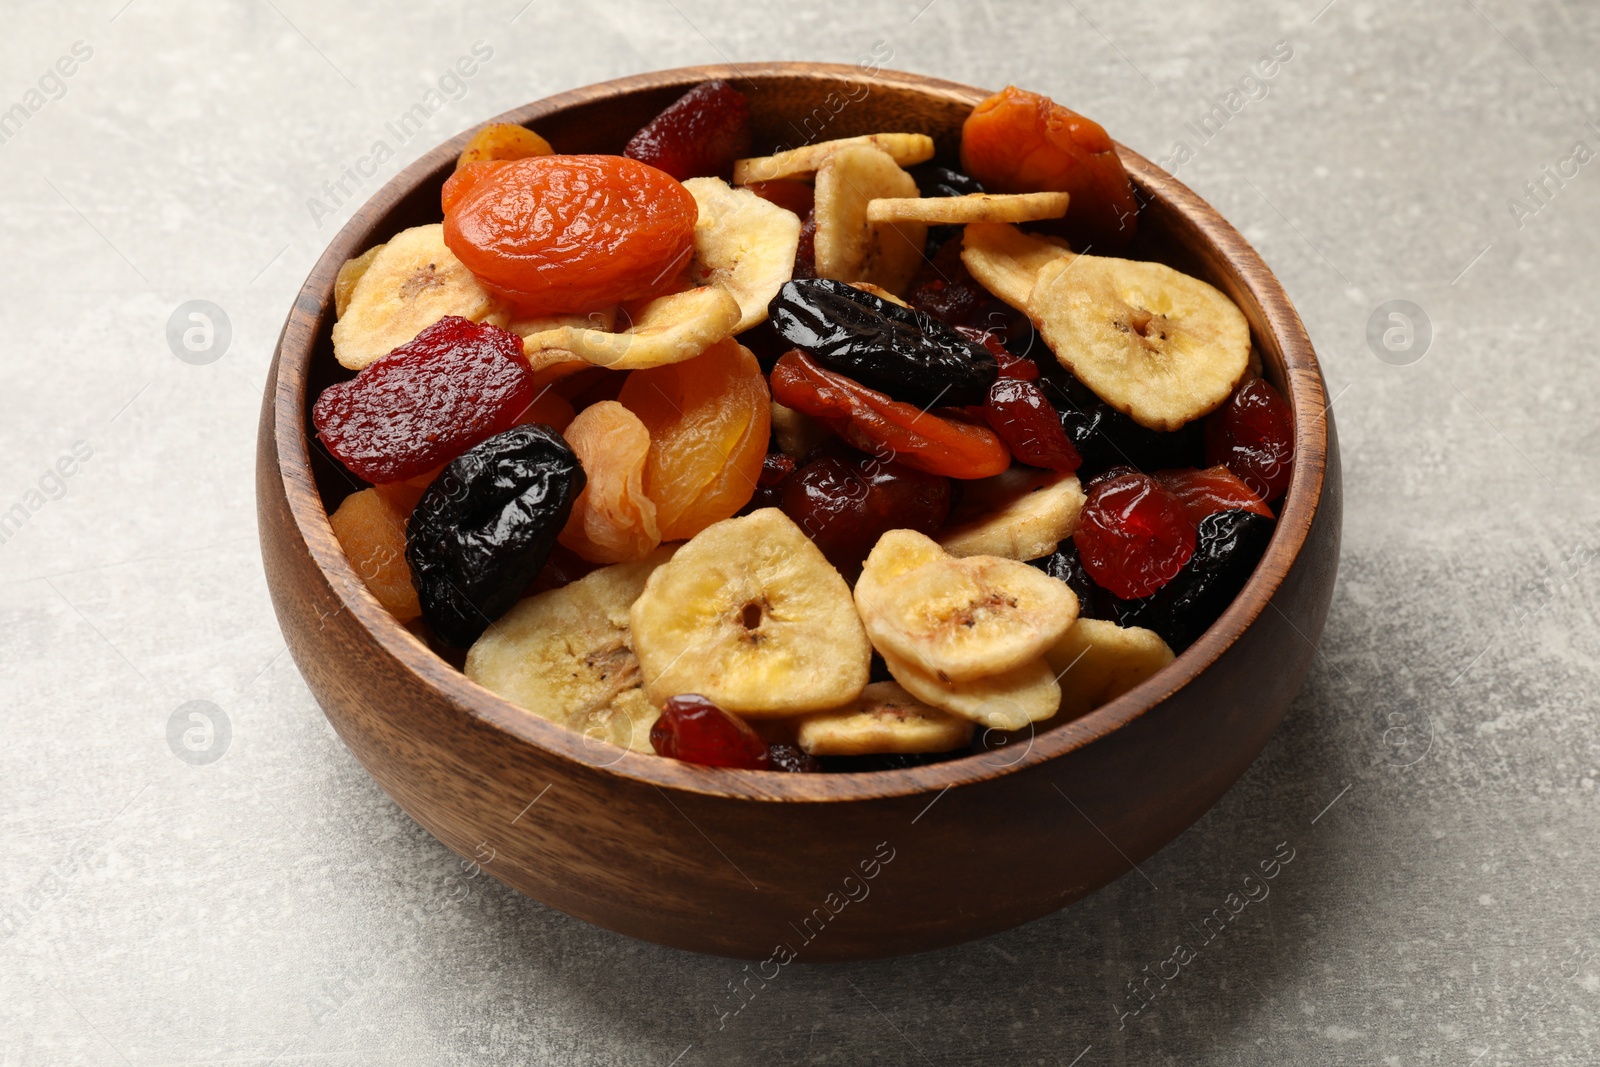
(1434, 782)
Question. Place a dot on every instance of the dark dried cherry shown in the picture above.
(775, 469)
(699, 135)
(844, 505)
(694, 730)
(943, 288)
(905, 353)
(1011, 366)
(1228, 546)
(1253, 434)
(485, 527)
(1018, 411)
(1133, 536)
(793, 759)
(453, 385)
(805, 254)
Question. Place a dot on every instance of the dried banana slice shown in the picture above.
(565, 655)
(1006, 701)
(750, 615)
(971, 208)
(742, 243)
(411, 283)
(906, 149)
(958, 620)
(1097, 661)
(668, 329)
(1160, 346)
(604, 320)
(1006, 261)
(886, 718)
(848, 247)
(1025, 523)
(350, 272)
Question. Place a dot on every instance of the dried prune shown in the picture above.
(694, 730)
(1066, 565)
(1107, 438)
(793, 759)
(935, 179)
(485, 526)
(1227, 548)
(1253, 433)
(905, 353)
(698, 135)
(887, 428)
(1018, 411)
(1133, 536)
(453, 385)
(844, 505)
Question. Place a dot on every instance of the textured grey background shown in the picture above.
(274, 906)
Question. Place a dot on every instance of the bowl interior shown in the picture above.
(793, 104)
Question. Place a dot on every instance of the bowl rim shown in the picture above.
(288, 378)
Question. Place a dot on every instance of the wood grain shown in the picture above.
(740, 863)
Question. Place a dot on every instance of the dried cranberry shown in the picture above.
(1228, 546)
(1133, 536)
(844, 505)
(694, 730)
(455, 384)
(1253, 434)
(1203, 492)
(700, 135)
(793, 759)
(485, 527)
(1018, 411)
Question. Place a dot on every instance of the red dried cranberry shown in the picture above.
(455, 384)
(844, 505)
(1214, 489)
(1253, 434)
(1018, 411)
(694, 730)
(700, 135)
(793, 759)
(1133, 536)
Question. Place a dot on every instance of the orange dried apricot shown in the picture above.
(709, 419)
(612, 521)
(503, 140)
(372, 529)
(1021, 142)
(563, 234)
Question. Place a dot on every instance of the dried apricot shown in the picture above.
(550, 408)
(612, 520)
(503, 140)
(1021, 142)
(372, 531)
(558, 234)
(709, 420)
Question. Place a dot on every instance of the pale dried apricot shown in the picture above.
(709, 419)
(612, 521)
(371, 526)
(503, 140)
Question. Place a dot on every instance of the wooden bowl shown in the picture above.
(764, 865)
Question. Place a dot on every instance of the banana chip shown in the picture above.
(410, 283)
(1098, 661)
(1007, 261)
(668, 329)
(906, 149)
(1157, 345)
(350, 272)
(1025, 521)
(742, 243)
(848, 247)
(886, 718)
(973, 207)
(1005, 701)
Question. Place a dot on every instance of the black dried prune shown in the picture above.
(1107, 438)
(1227, 547)
(934, 179)
(1065, 565)
(905, 353)
(486, 525)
